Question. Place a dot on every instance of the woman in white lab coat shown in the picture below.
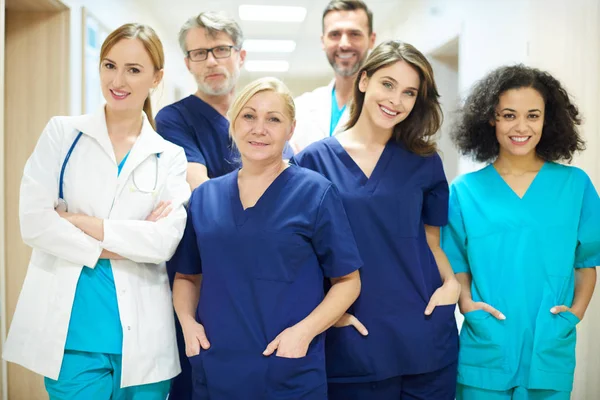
(102, 207)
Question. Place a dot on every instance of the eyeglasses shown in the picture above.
(217, 52)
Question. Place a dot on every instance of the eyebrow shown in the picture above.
(127, 64)
(268, 112)
(511, 110)
(396, 82)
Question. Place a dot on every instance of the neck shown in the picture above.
(123, 123)
(367, 133)
(343, 89)
(268, 169)
(512, 164)
(220, 103)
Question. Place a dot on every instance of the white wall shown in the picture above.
(112, 14)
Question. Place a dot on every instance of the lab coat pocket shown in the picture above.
(346, 353)
(199, 385)
(554, 344)
(296, 378)
(480, 341)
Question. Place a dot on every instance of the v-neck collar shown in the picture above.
(505, 184)
(241, 215)
(367, 183)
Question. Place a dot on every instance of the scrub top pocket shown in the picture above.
(296, 378)
(554, 343)
(198, 378)
(346, 353)
(480, 341)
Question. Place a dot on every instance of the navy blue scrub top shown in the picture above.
(263, 270)
(201, 131)
(387, 213)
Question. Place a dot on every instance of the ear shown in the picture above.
(291, 132)
(242, 57)
(158, 78)
(187, 63)
(372, 40)
(363, 82)
(322, 42)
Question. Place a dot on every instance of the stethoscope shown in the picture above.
(62, 205)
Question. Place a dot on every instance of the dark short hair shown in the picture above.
(476, 137)
(348, 5)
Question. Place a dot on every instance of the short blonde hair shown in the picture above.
(267, 84)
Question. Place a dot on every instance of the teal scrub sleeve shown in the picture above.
(454, 236)
(587, 253)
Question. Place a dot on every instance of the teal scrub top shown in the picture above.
(522, 254)
(95, 324)
(336, 112)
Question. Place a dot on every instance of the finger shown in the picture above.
(201, 336)
(431, 306)
(193, 349)
(166, 212)
(160, 208)
(359, 326)
(271, 347)
(494, 312)
(559, 309)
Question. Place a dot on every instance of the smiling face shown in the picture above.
(127, 74)
(519, 121)
(390, 94)
(346, 40)
(262, 127)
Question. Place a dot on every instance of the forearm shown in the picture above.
(585, 282)
(464, 279)
(343, 292)
(443, 264)
(91, 226)
(186, 294)
(110, 255)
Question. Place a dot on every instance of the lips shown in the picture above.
(388, 111)
(519, 140)
(258, 144)
(118, 94)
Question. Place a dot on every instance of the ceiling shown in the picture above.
(308, 58)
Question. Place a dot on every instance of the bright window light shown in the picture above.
(272, 13)
(267, 66)
(270, 46)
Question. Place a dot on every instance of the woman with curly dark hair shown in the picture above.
(395, 193)
(523, 238)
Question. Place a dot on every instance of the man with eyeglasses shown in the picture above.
(212, 44)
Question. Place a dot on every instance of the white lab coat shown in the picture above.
(313, 117)
(37, 336)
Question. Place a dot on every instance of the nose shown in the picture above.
(344, 42)
(119, 79)
(259, 127)
(211, 60)
(521, 125)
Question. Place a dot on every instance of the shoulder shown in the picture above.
(313, 151)
(568, 173)
(307, 183)
(471, 179)
(172, 111)
(307, 98)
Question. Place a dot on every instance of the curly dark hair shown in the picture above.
(475, 136)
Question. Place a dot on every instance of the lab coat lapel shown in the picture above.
(323, 108)
(149, 143)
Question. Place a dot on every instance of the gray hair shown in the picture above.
(214, 23)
